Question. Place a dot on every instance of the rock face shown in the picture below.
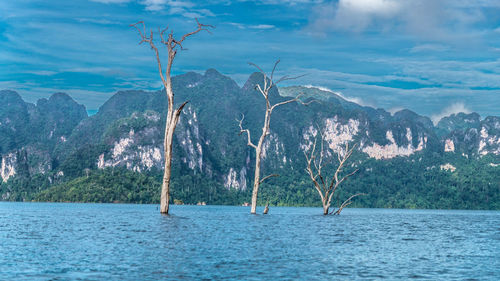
(468, 134)
(56, 136)
(134, 143)
(392, 149)
(29, 134)
(8, 168)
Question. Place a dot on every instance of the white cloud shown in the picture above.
(353, 15)
(174, 7)
(321, 88)
(154, 5)
(449, 73)
(425, 19)
(97, 21)
(427, 100)
(451, 109)
(201, 13)
(95, 70)
(370, 7)
(42, 72)
(111, 1)
(340, 94)
(238, 25)
(429, 48)
(289, 2)
(158, 5)
(262, 26)
(182, 8)
(258, 26)
(393, 110)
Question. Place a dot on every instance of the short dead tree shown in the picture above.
(316, 163)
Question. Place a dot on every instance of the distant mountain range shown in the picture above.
(54, 142)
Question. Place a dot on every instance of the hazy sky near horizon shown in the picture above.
(433, 57)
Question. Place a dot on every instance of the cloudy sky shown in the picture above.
(433, 57)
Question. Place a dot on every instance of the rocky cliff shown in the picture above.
(56, 137)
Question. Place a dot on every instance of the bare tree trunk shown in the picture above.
(256, 181)
(165, 188)
(266, 209)
(172, 45)
(326, 208)
(258, 155)
(170, 125)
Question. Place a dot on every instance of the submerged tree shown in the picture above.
(264, 90)
(327, 188)
(173, 45)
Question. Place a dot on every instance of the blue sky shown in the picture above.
(433, 57)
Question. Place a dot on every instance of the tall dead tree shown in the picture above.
(327, 188)
(264, 90)
(173, 45)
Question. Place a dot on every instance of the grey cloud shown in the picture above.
(431, 20)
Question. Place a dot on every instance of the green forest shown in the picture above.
(388, 184)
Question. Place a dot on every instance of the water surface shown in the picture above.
(134, 242)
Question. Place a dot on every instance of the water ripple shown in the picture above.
(41, 241)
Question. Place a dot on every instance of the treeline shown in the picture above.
(404, 182)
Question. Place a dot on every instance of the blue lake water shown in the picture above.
(45, 241)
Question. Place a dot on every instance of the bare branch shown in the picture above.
(342, 159)
(347, 176)
(249, 141)
(339, 182)
(270, 176)
(318, 165)
(198, 29)
(321, 152)
(319, 187)
(179, 109)
(149, 40)
(287, 77)
(347, 203)
(256, 66)
(261, 91)
(308, 103)
(339, 169)
(274, 68)
(142, 34)
(178, 112)
(287, 101)
(161, 35)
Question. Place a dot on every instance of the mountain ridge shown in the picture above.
(127, 133)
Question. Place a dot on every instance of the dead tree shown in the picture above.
(173, 45)
(327, 188)
(264, 90)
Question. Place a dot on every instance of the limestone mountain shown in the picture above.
(55, 141)
(30, 133)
